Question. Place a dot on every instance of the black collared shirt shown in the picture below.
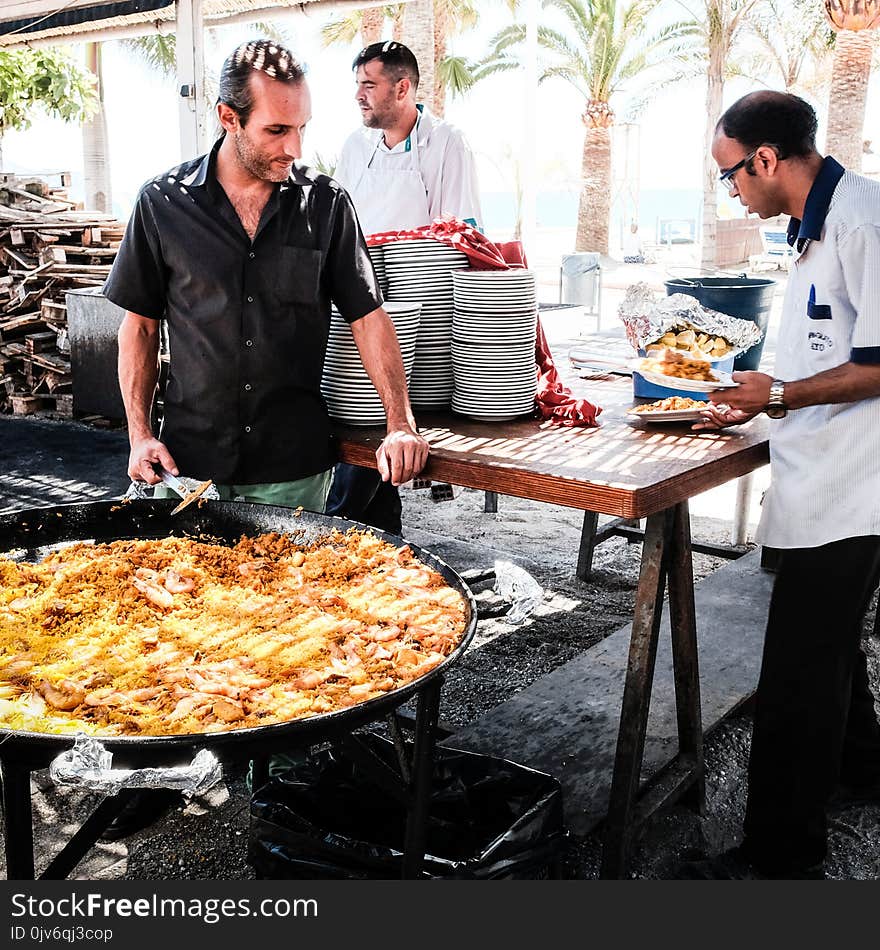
(248, 321)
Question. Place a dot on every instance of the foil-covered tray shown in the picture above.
(647, 315)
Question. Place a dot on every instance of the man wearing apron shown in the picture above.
(402, 170)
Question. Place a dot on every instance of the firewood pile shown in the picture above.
(48, 245)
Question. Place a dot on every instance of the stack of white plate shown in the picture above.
(422, 270)
(377, 256)
(493, 344)
(345, 385)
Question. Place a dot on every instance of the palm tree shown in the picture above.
(368, 22)
(372, 24)
(792, 35)
(722, 27)
(605, 47)
(418, 34)
(96, 171)
(854, 21)
(450, 16)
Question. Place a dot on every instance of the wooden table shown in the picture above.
(633, 470)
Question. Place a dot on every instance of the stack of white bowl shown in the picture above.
(493, 344)
(345, 385)
(422, 270)
(377, 256)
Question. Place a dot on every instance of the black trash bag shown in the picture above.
(489, 819)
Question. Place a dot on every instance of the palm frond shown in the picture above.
(456, 74)
(570, 76)
(158, 52)
(341, 31)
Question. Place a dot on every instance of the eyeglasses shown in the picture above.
(726, 178)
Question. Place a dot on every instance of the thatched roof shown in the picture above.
(23, 21)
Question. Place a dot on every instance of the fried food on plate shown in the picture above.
(673, 363)
(671, 404)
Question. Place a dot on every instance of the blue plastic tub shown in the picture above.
(645, 390)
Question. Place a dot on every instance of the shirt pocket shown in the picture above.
(817, 311)
(298, 277)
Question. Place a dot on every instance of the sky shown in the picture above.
(142, 111)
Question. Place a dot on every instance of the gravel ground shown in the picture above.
(49, 462)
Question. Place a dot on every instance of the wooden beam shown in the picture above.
(191, 78)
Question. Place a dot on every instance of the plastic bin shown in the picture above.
(328, 819)
(580, 280)
(749, 298)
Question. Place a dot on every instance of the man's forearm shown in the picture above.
(380, 353)
(849, 382)
(138, 372)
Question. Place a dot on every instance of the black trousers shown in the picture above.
(360, 494)
(815, 722)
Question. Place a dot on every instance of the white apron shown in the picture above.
(392, 199)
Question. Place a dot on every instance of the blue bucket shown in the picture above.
(748, 298)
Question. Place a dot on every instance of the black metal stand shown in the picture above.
(412, 786)
(419, 792)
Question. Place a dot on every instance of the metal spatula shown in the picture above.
(189, 495)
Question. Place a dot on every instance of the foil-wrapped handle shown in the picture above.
(90, 765)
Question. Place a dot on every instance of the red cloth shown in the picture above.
(554, 400)
(481, 252)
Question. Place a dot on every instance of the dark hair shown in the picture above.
(397, 60)
(772, 118)
(265, 56)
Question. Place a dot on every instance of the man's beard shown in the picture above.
(380, 116)
(255, 162)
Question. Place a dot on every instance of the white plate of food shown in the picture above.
(671, 409)
(676, 371)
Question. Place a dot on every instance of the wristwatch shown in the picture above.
(776, 408)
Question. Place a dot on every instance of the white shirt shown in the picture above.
(445, 161)
(825, 460)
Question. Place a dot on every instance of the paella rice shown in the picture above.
(178, 635)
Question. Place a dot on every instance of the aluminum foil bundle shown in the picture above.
(90, 765)
(646, 316)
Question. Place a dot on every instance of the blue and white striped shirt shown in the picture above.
(825, 460)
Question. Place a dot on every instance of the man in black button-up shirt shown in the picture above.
(242, 251)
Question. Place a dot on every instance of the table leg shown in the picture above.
(490, 502)
(636, 694)
(739, 536)
(18, 821)
(683, 626)
(259, 771)
(415, 842)
(588, 545)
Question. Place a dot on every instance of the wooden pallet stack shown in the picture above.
(48, 245)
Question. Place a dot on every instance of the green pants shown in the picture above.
(309, 493)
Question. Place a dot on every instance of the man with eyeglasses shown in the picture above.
(816, 738)
(402, 169)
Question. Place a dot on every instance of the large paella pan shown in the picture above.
(32, 535)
